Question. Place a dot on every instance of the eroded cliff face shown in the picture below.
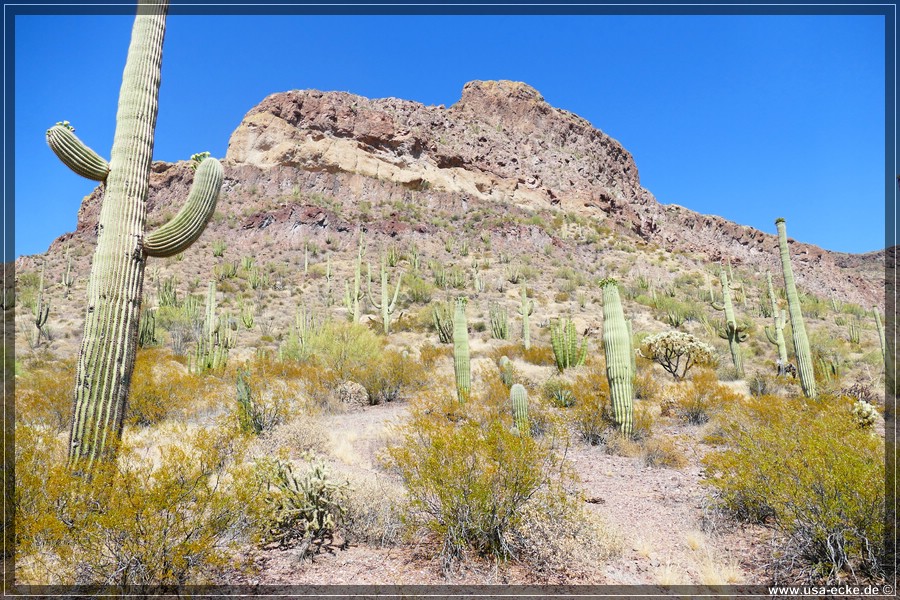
(500, 144)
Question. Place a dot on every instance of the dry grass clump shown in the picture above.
(559, 535)
(375, 509)
(662, 452)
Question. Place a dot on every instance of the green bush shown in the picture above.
(171, 517)
(468, 474)
(805, 468)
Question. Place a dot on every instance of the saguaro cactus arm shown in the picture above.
(75, 154)
(185, 227)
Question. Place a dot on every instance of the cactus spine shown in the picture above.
(518, 396)
(106, 359)
(798, 329)
(731, 331)
(387, 307)
(564, 341)
(526, 308)
(619, 356)
(461, 365)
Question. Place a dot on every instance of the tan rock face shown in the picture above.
(501, 143)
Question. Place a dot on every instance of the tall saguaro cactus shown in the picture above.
(619, 354)
(776, 334)
(115, 287)
(461, 364)
(798, 329)
(386, 306)
(526, 308)
(731, 331)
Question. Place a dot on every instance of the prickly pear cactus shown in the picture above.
(619, 354)
(115, 287)
(798, 328)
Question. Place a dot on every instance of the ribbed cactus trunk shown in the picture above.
(518, 396)
(798, 328)
(461, 364)
(731, 331)
(618, 351)
(776, 335)
(108, 347)
(880, 330)
(526, 308)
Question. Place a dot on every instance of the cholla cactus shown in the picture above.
(566, 349)
(864, 414)
(677, 352)
(115, 286)
(461, 365)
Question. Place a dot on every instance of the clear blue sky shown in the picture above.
(747, 117)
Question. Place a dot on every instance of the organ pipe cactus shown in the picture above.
(619, 355)
(461, 365)
(731, 330)
(518, 396)
(499, 319)
(776, 334)
(564, 341)
(526, 308)
(115, 286)
(387, 307)
(798, 329)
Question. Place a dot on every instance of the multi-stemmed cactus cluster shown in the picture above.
(499, 318)
(353, 297)
(567, 350)
(217, 338)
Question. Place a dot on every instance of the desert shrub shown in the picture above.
(429, 355)
(646, 387)
(341, 348)
(144, 521)
(591, 414)
(375, 508)
(390, 377)
(161, 388)
(468, 474)
(256, 413)
(559, 535)
(805, 468)
(677, 352)
(559, 393)
(662, 452)
(538, 355)
(303, 509)
(699, 399)
(44, 394)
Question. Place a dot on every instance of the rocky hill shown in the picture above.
(501, 146)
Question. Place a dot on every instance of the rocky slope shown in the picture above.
(501, 144)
